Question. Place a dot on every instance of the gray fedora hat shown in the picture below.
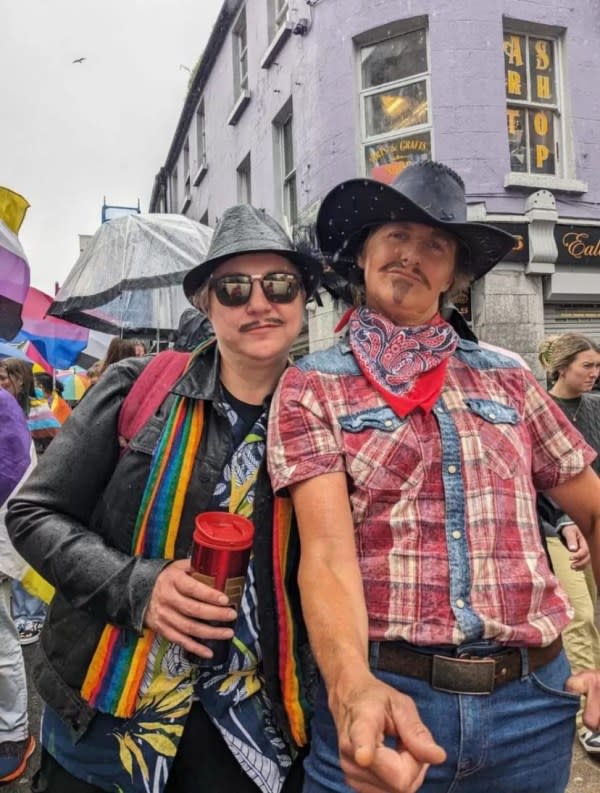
(428, 192)
(245, 229)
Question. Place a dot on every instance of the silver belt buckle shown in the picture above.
(463, 675)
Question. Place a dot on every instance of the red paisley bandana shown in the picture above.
(407, 366)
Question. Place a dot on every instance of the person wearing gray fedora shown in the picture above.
(413, 458)
(136, 699)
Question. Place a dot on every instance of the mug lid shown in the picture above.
(223, 531)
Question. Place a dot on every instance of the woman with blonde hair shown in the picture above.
(573, 365)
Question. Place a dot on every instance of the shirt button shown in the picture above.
(451, 469)
(388, 422)
(460, 603)
(491, 415)
(457, 535)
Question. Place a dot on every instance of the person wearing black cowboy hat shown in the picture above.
(413, 458)
(128, 708)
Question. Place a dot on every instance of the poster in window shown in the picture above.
(386, 160)
(541, 67)
(515, 66)
(541, 141)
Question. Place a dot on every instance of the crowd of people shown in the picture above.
(418, 609)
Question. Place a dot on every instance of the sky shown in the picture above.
(72, 134)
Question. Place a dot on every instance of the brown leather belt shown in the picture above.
(463, 673)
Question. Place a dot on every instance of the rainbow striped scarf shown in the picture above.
(116, 671)
(285, 570)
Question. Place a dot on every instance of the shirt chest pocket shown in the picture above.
(497, 428)
(383, 454)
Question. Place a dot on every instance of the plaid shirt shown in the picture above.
(444, 505)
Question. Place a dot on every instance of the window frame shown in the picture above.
(281, 10)
(174, 188)
(244, 180)
(289, 184)
(372, 39)
(201, 158)
(530, 31)
(239, 32)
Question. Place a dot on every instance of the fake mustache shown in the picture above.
(260, 324)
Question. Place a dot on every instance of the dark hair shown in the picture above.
(48, 384)
(44, 381)
(19, 372)
(118, 349)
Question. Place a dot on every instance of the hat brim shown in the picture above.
(309, 267)
(359, 204)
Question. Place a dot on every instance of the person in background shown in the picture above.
(140, 347)
(16, 377)
(16, 459)
(118, 350)
(573, 365)
(126, 707)
(413, 458)
(52, 391)
(94, 373)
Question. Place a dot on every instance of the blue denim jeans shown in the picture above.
(25, 606)
(13, 684)
(518, 739)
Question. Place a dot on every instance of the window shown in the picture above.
(240, 53)
(278, 12)
(186, 159)
(394, 100)
(288, 169)
(200, 134)
(532, 102)
(204, 219)
(201, 165)
(174, 191)
(244, 181)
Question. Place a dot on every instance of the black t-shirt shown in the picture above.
(249, 414)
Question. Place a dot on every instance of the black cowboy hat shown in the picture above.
(428, 193)
(244, 229)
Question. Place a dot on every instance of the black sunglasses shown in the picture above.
(235, 290)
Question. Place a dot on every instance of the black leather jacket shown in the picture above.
(73, 522)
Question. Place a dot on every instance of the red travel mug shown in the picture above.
(220, 554)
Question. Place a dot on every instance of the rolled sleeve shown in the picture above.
(301, 440)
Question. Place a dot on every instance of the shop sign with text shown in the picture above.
(578, 244)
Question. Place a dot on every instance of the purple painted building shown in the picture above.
(292, 96)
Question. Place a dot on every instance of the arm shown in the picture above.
(364, 709)
(14, 453)
(572, 537)
(580, 499)
(49, 520)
